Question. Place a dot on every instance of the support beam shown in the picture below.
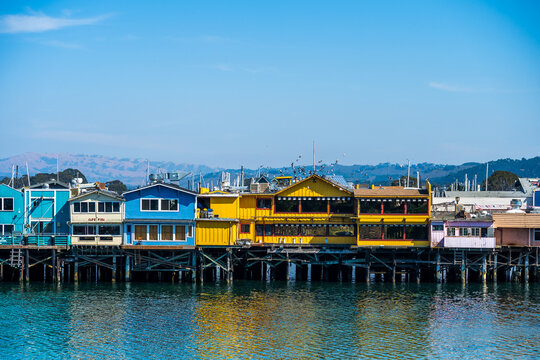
(526, 278)
(483, 269)
(54, 264)
(127, 273)
(495, 267)
(76, 270)
(438, 272)
(113, 274)
(27, 265)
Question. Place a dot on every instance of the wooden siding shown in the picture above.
(523, 221)
(472, 242)
(313, 187)
(216, 232)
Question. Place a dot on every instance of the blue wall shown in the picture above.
(184, 216)
(536, 199)
(54, 207)
(15, 217)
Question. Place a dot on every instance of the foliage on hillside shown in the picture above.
(64, 176)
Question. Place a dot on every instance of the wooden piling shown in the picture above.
(27, 265)
(127, 272)
(438, 272)
(526, 277)
(54, 264)
(483, 269)
(76, 270)
(113, 274)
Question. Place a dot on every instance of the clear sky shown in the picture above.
(225, 83)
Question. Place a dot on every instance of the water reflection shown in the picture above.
(270, 320)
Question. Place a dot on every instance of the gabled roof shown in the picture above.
(170, 186)
(55, 185)
(317, 177)
(106, 193)
(10, 188)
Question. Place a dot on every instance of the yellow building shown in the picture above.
(217, 219)
(393, 216)
(311, 211)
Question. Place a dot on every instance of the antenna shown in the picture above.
(313, 156)
(27, 173)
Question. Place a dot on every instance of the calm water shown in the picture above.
(274, 321)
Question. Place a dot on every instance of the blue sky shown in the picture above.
(226, 83)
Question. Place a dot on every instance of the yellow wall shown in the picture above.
(337, 240)
(392, 243)
(225, 206)
(216, 232)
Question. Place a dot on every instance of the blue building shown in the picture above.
(160, 214)
(46, 213)
(11, 213)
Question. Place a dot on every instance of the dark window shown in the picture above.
(109, 230)
(342, 206)
(370, 207)
(417, 207)
(244, 228)
(393, 232)
(315, 205)
(438, 227)
(286, 230)
(173, 205)
(416, 232)
(84, 207)
(8, 230)
(116, 206)
(286, 205)
(108, 207)
(394, 206)
(264, 203)
(145, 204)
(313, 230)
(263, 229)
(92, 207)
(101, 207)
(370, 232)
(8, 204)
(341, 230)
(128, 228)
(79, 230)
(537, 235)
(77, 207)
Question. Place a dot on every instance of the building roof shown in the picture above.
(107, 193)
(513, 220)
(170, 186)
(329, 181)
(53, 184)
(391, 191)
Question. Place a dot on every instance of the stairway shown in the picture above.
(16, 259)
(458, 257)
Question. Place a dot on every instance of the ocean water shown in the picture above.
(278, 320)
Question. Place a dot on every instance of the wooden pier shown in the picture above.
(267, 263)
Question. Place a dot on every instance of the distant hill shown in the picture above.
(132, 171)
(95, 167)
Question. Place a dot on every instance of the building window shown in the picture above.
(313, 230)
(245, 228)
(166, 232)
(393, 232)
(394, 206)
(42, 227)
(342, 206)
(315, 205)
(475, 231)
(267, 230)
(6, 204)
(536, 234)
(6, 229)
(370, 232)
(84, 230)
(84, 207)
(451, 231)
(264, 203)
(417, 206)
(180, 232)
(340, 230)
(370, 206)
(152, 232)
(464, 231)
(418, 232)
(77, 207)
(109, 229)
(287, 205)
(159, 204)
(437, 227)
(140, 232)
(108, 207)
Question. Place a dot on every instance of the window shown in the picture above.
(451, 231)
(109, 229)
(314, 205)
(77, 207)
(536, 234)
(264, 203)
(108, 207)
(159, 204)
(152, 232)
(438, 227)
(6, 229)
(417, 206)
(341, 230)
(180, 232)
(42, 227)
(140, 232)
(166, 232)
(313, 230)
(419, 232)
(245, 228)
(394, 206)
(393, 232)
(370, 206)
(84, 230)
(475, 231)
(342, 206)
(84, 207)
(287, 205)
(464, 231)
(267, 230)
(6, 204)
(370, 232)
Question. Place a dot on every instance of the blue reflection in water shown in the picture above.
(269, 320)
